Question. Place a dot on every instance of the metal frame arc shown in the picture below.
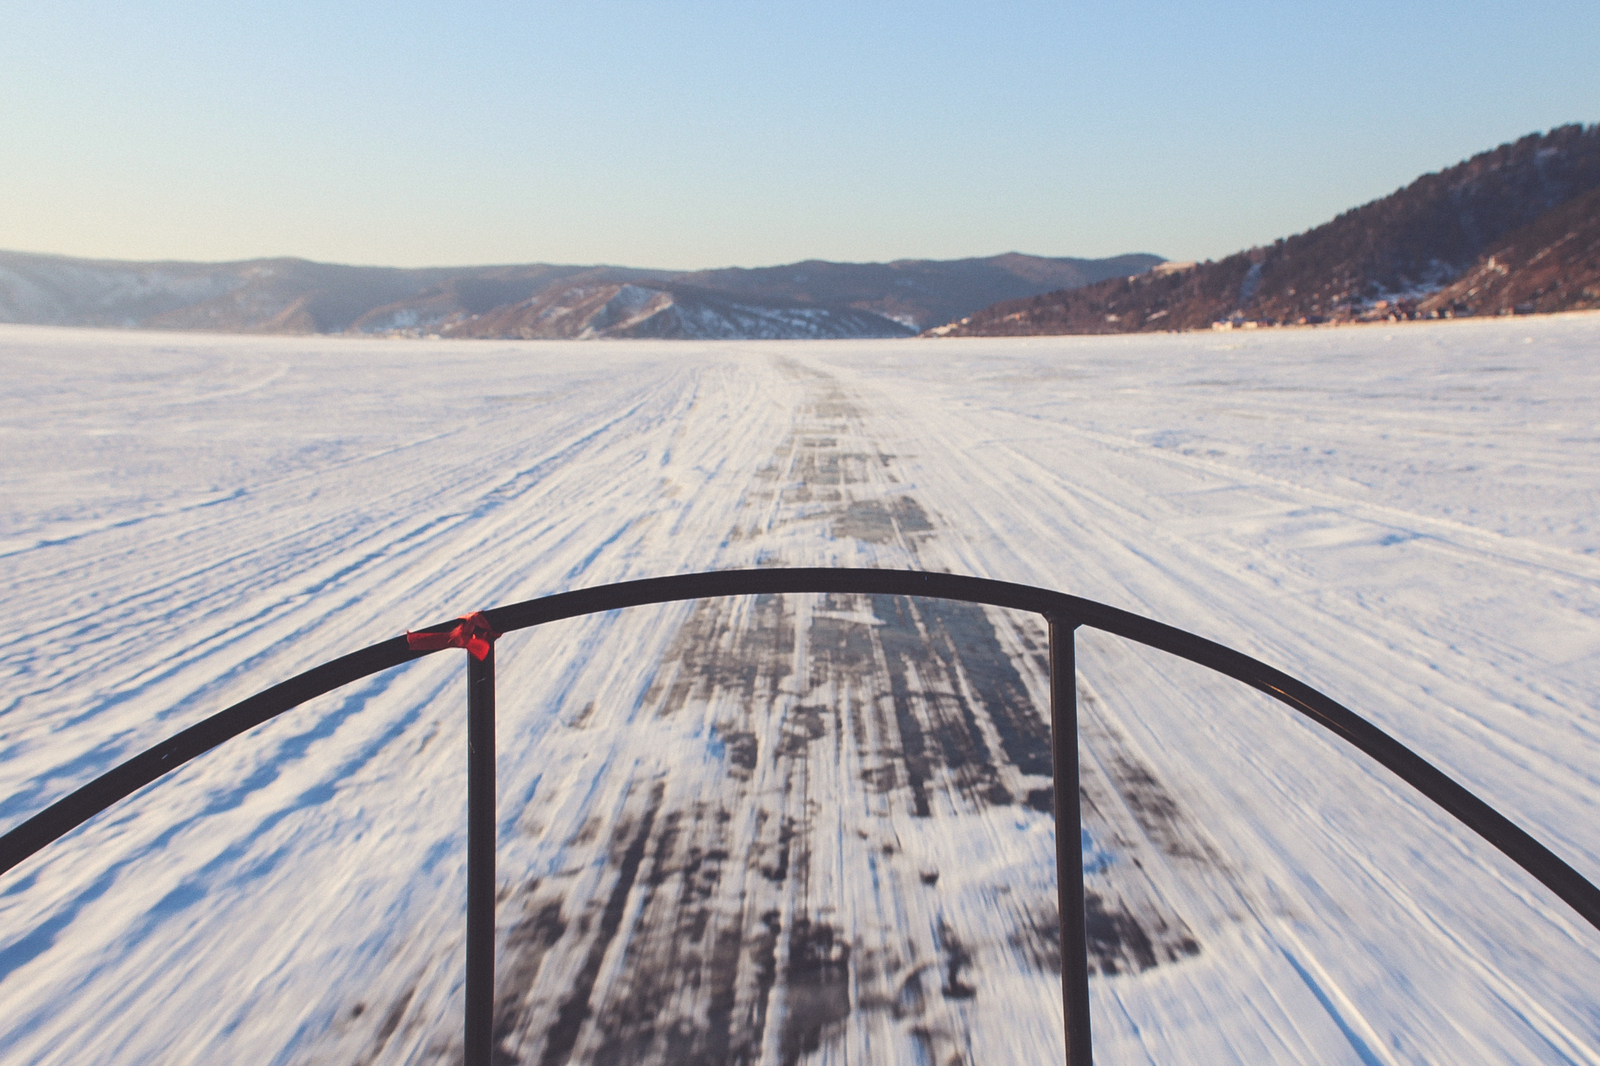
(1064, 613)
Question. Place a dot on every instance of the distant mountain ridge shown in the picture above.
(918, 292)
(669, 310)
(800, 300)
(1383, 259)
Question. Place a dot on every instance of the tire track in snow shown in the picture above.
(840, 725)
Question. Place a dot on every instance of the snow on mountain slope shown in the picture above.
(798, 301)
(585, 311)
(805, 829)
(55, 289)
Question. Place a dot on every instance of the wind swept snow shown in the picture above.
(803, 829)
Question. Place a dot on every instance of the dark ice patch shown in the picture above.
(576, 1007)
(1158, 815)
(956, 959)
(963, 635)
(1042, 800)
(817, 987)
(1038, 936)
(881, 521)
(1120, 942)
(922, 638)
(742, 750)
(764, 955)
(1120, 939)
(880, 779)
(778, 872)
(1155, 809)
(526, 946)
(687, 939)
(748, 663)
(801, 726)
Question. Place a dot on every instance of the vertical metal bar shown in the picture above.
(1069, 848)
(479, 1035)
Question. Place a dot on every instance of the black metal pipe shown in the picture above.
(479, 1031)
(1069, 840)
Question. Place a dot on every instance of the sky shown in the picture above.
(706, 133)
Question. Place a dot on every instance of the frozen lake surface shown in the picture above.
(803, 829)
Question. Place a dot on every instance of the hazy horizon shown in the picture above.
(717, 134)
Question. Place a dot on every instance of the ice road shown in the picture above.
(802, 829)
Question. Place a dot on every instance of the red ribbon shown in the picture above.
(474, 634)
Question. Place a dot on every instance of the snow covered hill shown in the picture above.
(800, 301)
(803, 829)
(255, 296)
(661, 310)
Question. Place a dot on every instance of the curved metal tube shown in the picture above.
(1061, 609)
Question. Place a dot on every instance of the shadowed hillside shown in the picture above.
(919, 292)
(1551, 265)
(1373, 261)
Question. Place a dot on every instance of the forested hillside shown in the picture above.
(1375, 261)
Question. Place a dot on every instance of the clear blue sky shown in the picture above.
(696, 134)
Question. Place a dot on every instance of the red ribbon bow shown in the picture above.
(474, 634)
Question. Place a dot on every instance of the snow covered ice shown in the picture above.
(803, 829)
